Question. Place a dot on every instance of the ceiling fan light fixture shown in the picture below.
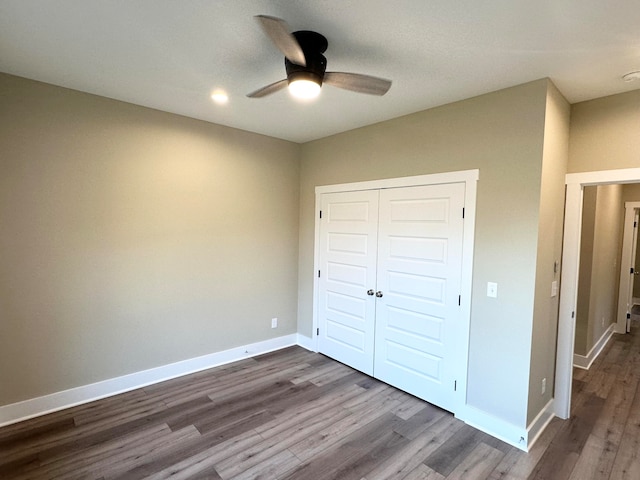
(304, 89)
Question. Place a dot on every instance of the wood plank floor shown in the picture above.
(293, 414)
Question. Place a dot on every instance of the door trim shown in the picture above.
(470, 179)
(628, 245)
(570, 263)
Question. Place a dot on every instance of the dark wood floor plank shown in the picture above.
(344, 459)
(420, 421)
(478, 464)
(422, 472)
(627, 461)
(195, 465)
(518, 466)
(454, 451)
(118, 455)
(371, 405)
(304, 414)
(416, 451)
(559, 461)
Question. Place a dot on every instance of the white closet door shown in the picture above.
(419, 275)
(346, 313)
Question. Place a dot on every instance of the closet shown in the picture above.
(389, 287)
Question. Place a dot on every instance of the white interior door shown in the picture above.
(347, 247)
(419, 278)
(633, 287)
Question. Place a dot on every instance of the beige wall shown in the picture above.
(605, 133)
(132, 238)
(587, 236)
(550, 228)
(502, 135)
(600, 256)
(631, 192)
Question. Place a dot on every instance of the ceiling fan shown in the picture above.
(306, 65)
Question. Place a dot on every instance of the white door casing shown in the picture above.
(625, 290)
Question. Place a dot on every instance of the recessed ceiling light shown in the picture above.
(220, 97)
(631, 76)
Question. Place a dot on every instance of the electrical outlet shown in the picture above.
(274, 323)
(544, 386)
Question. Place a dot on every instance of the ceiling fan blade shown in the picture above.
(357, 82)
(278, 31)
(269, 89)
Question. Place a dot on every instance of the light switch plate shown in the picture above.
(492, 289)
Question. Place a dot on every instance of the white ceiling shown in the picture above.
(171, 54)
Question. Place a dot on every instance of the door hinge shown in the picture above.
(320, 213)
(317, 331)
(628, 316)
(462, 212)
(318, 273)
(455, 385)
(459, 300)
(635, 224)
(573, 314)
(631, 270)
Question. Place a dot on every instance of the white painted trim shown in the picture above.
(570, 261)
(604, 177)
(468, 245)
(626, 261)
(470, 179)
(518, 437)
(568, 299)
(430, 179)
(496, 427)
(305, 342)
(34, 407)
(316, 268)
(583, 362)
(537, 426)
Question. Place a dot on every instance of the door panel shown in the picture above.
(419, 274)
(348, 242)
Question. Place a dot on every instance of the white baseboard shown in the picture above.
(583, 362)
(34, 407)
(305, 342)
(521, 438)
(537, 426)
(16, 412)
(496, 427)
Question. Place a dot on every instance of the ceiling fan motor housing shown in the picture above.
(313, 45)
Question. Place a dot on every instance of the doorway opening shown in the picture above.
(575, 184)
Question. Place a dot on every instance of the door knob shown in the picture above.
(369, 292)
(378, 294)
